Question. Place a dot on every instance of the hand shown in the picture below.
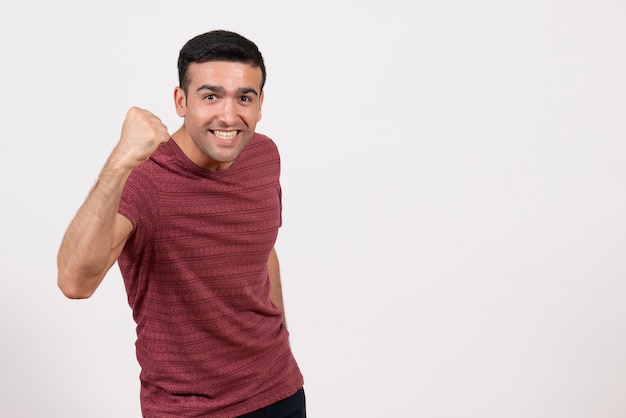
(142, 133)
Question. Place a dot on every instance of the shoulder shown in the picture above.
(260, 158)
(143, 182)
(263, 142)
(163, 161)
(261, 148)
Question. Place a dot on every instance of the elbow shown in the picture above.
(71, 288)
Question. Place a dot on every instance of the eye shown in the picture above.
(209, 97)
(246, 99)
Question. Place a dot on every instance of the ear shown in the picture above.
(261, 105)
(180, 101)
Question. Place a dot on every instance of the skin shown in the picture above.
(223, 98)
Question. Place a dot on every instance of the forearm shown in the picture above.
(276, 292)
(97, 233)
(85, 252)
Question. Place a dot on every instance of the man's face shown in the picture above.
(220, 110)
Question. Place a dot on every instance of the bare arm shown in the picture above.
(96, 235)
(276, 291)
(94, 238)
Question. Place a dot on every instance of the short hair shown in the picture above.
(218, 45)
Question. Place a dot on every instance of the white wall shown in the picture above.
(453, 174)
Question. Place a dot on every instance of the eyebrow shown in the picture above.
(222, 90)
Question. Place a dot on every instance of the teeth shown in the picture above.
(225, 134)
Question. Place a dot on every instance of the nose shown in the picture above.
(228, 112)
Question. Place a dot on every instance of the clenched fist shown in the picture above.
(142, 133)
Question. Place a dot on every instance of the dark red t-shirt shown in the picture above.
(209, 340)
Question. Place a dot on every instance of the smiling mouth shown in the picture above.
(225, 135)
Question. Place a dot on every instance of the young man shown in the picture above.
(192, 220)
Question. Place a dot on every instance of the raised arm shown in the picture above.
(96, 235)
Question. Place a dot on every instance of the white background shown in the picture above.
(454, 198)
